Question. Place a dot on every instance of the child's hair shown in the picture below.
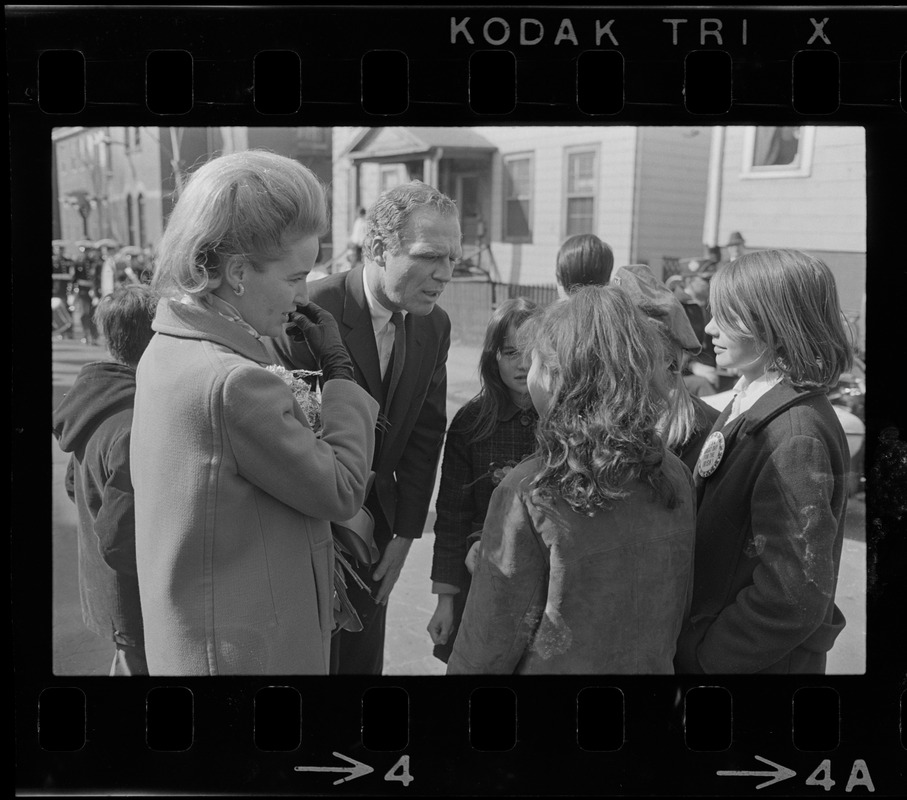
(493, 395)
(124, 317)
(787, 302)
(606, 361)
(678, 422)
(584, 260)
(244, 204)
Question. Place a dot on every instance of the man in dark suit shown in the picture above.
(385, 309)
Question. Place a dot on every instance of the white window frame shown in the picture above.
(529, 156)
(392, 170)
(805, 152)
(595, 149)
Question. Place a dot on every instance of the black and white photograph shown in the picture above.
(169, 549)
(463, 400)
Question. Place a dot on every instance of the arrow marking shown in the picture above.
(356, 771)
(777, 775)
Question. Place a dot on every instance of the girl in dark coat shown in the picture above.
(772, 476)
(488, 437)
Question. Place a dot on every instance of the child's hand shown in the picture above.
(472, 557)
(442, 620)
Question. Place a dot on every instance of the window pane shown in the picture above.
(516, 177)
(579, 216)
(518, 199)
(517, 219)
(581, 173)
(776, 146)
(390, 177)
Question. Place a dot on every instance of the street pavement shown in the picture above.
(77, 651)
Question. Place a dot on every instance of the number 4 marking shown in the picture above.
(400, 772)
(824, 769)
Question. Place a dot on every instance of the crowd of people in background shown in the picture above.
(80, 282)
(254, 478)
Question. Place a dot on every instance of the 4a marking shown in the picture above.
(820, 776)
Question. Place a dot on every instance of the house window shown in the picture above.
(388, 178)
(778, 151)
(580, 192)
(518, 198)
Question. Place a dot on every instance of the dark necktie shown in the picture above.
(398, 354)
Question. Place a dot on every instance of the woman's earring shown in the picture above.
(239, 290)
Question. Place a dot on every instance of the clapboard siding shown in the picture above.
(674, 166)
(533, 262)
(825, 210)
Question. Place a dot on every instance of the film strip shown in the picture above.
(480, 65)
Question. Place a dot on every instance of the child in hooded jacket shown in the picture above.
(93, 422)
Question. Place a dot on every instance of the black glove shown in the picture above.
(318, 329)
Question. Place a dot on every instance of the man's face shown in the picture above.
(413, 277)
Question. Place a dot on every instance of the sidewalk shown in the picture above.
(76, 651)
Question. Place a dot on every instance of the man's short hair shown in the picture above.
(124, 317)
(388, 216)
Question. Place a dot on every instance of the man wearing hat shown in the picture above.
(735, 246)
(659, 303)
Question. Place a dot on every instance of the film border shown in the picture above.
(223, 41)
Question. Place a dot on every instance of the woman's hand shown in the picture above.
(441, 623)
(318, 328)
(473, 556)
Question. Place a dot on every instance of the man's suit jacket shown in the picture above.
(406, 453)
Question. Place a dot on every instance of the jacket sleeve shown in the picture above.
(794, 531)
(115, 523)
(455, 509)
(323, 477)
(507, 597)
(418, 464)
(69, 480)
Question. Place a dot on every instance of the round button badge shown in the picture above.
(711, 454)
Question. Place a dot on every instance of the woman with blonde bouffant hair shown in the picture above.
(235, 483)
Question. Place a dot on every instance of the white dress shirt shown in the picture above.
(381, 325)
(746, 393)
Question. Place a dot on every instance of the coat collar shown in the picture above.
(774, 402)
(194, 321)
(511, 409)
